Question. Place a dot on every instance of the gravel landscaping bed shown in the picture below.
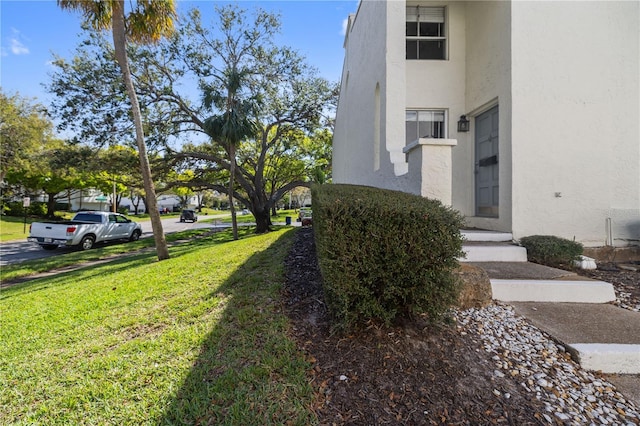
(488, 366)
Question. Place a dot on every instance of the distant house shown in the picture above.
(522, 115)
(94, 199)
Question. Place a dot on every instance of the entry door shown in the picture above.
(487, 163)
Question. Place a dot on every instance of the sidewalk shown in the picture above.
(599, 336)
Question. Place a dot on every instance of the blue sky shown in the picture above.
(31, 31)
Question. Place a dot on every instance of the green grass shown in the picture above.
(196, 339)
(31, 267)
(13, 228)
(248, 218)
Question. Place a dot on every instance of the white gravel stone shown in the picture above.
(543, 368)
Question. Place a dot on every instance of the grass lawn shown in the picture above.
(248, 218)
(31, 267)
(197, 339)
(13, 228)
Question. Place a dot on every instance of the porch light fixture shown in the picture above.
(463, 124)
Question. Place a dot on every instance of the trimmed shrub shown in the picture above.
(551, 250)
(14, 208)
(385, 255)
(37, 208)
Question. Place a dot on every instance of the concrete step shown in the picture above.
(525, 271)
(601, 337)
(493, 252)
(557, 291)
(489, 236)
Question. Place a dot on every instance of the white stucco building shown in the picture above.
(94, 199)
(551, 90)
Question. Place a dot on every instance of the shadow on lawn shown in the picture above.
(248, 371)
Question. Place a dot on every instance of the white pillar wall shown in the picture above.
(430, 167)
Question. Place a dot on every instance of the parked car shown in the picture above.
(84, 230)
(188, 215)
(304, 212)
(305, 215)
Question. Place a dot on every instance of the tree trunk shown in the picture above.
(119, 44)
(232, 171)
(263, 221)
(136, 203)
(51, 206)
(274, 212)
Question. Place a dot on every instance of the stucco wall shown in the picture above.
(440, 84)
(375, 57)
(576, 112)
(565, 78)
(488, 83)
(361, 155)
(353, 136)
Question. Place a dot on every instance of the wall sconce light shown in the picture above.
(463, 124)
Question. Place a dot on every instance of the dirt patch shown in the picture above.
(414, 374)
(625, 278)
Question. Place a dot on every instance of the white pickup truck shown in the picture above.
(84, 230)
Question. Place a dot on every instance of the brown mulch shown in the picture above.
(624, 279)
(414, 374)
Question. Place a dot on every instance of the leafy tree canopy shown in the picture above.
(183, 85)
(25, 129)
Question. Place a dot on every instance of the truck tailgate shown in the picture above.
(49, 230)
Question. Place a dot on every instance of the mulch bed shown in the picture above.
(624, 279)
(413, 374)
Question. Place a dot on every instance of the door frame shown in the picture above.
(492, 160)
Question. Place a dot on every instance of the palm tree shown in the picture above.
(147, 22)
(230, 127)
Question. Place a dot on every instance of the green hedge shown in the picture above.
(14, 208)
(551, 250)
(385, 255)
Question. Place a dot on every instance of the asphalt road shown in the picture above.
(21, 250)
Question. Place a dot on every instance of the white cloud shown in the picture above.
(17, 48)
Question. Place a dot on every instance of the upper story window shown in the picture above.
(424, 124)
(426, 37)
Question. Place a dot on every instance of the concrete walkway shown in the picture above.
(600, 336)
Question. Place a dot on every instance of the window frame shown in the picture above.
(417, 38)
(445, 119)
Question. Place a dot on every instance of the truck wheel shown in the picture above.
(49, 246)
(86, 243)
(135, 235)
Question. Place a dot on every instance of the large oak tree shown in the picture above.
(279, 93)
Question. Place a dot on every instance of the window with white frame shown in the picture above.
(425, 33)
(425, 124)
